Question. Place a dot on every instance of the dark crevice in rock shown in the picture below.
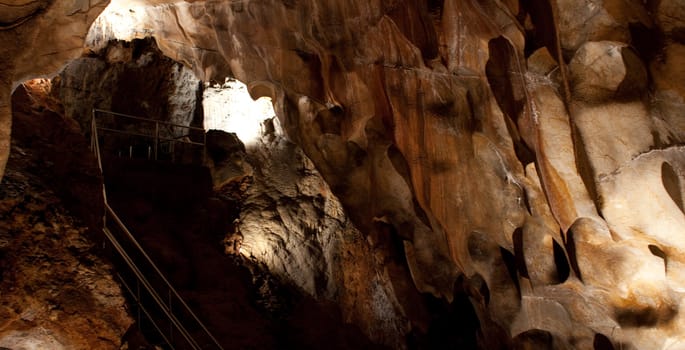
(507, 89)
(602, 342)
(571, 250)
(635, 81)
(435, 8)
(499, 70)
(646, 41)
(656, 251)
(357, 156)
(561, 262)
(519, 252)
(199, 112)
(453, 325)
(678, 35)
(585, 169)
(509, 260)
(479, 288)
(543, 32)
(525, 197)
(525, 155)
(400, 165)
(535, 339)
(672, 185)
(645, 316)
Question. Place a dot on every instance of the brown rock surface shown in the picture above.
(132, 78)
(36, 39)
(291, 222)
(555, 191)
(55, 292)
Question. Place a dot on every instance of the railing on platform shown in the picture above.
(158, 307)
(158, 137)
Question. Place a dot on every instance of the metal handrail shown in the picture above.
(142, 307)
(95, 146)
(132, 239)
(97, 110)
(95, 143)
(151, 290)
(156, 136)
(175, 139)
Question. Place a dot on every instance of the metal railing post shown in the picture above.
(156, 138)
(92, 131)
(171, 329)
(139, 303)
(204, 148)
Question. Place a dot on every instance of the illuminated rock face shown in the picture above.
(292, 222)
(530, 147)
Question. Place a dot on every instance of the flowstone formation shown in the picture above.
(528, 153)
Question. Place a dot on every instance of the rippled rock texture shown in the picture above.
(528, 153)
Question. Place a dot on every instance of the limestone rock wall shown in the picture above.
(64, 153)
(292, 222)
(508, 142)
(37, 38)
(131, 78)
(528, 149)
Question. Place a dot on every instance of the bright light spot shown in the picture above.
(230, 108)
(123, 20)
(36, 338)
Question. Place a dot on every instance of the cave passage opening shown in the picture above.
(229, 107)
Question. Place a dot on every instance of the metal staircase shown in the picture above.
(156, 299)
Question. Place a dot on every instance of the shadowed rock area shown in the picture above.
(56, 292)
(524, 156)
